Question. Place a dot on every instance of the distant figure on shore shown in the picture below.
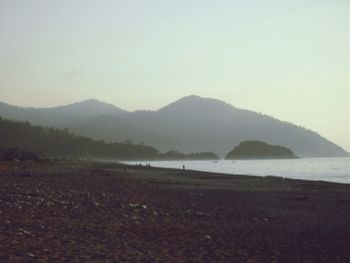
(183, 167)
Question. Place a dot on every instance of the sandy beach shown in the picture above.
(67, 211)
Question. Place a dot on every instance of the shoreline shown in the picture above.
(89, 211)
(233, 173)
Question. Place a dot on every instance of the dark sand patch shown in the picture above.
(74, 211)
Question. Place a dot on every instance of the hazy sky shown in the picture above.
(288, 59)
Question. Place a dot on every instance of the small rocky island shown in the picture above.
(259, 150)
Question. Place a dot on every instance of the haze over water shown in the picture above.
(317, 169)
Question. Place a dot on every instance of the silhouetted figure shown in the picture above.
(183, 167)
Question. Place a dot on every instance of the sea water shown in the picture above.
(318, 169)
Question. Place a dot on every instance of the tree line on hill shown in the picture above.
(259, 150)
(19, 139)
(189, 124)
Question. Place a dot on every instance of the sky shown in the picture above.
(288, 59)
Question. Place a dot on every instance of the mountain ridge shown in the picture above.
(191, 123)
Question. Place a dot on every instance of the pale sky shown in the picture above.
(288, 59)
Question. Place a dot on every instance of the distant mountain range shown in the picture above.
(191, 124)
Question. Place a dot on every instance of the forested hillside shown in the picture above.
(260, 150)
(51, 142)
(189, 124)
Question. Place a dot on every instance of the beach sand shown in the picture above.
(66, 211)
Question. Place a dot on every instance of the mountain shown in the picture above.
(259, 150)
(119, 128)
(203, 124)
(52, 142)
(62, 116)
(190, 124)
(23, 140)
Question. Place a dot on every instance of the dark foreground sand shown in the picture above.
(90, 212)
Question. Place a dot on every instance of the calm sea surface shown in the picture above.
(319, 169)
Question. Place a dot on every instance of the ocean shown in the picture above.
(317, 169)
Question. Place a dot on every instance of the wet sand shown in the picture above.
(102, 212)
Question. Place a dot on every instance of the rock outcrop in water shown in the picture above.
(260, 150)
